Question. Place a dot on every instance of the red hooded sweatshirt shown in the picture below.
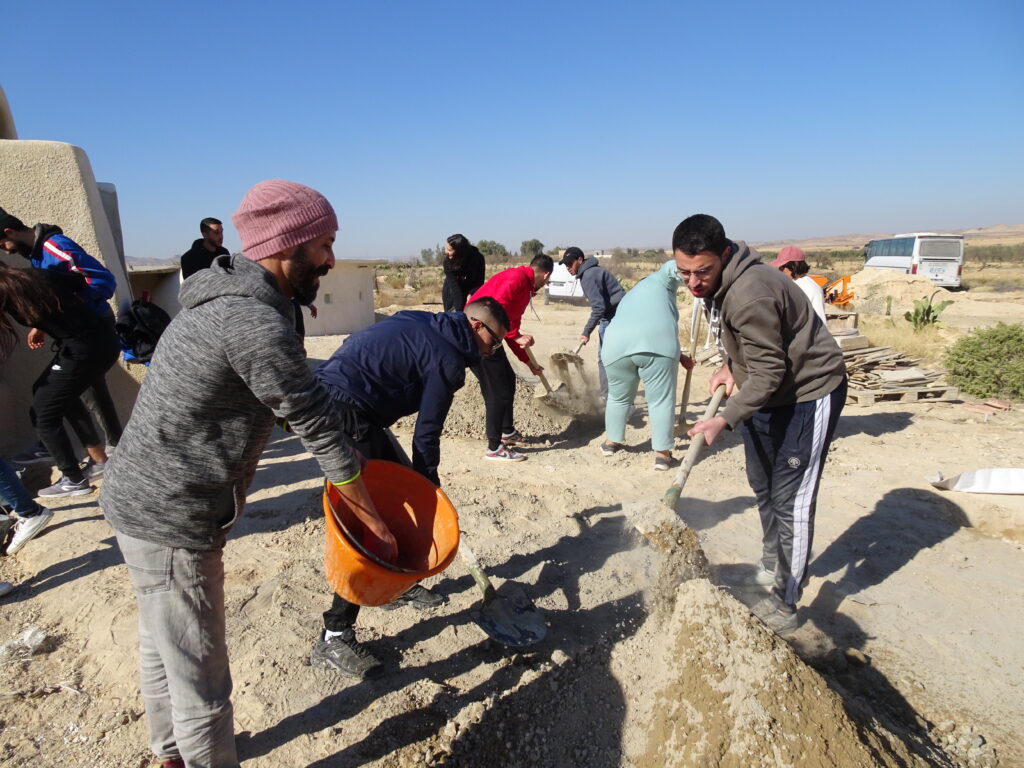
(512, 288)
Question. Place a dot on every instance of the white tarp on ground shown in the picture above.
(984, 481)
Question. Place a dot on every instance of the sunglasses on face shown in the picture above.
(497, 339)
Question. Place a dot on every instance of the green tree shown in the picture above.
(493, 251)
(531, 248)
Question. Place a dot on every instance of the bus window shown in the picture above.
(941, 249)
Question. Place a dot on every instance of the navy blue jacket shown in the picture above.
(602, 291)
(411, 362)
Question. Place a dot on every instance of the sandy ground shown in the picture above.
(909, 653)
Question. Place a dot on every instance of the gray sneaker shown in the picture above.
(417, 596)
(66, 487)
(6, 588)
(761, 577)
(344, 654)
(26, 529)
(778, 617)
(94, 469)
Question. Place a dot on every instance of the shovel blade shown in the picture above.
(511, 618)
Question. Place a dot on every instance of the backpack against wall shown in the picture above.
(140, 328)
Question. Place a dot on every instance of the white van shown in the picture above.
(563, 286)
(940, 258)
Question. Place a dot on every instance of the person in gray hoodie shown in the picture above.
(791, 382)
(604, 294)
(226, 366)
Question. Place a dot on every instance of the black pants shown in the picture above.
(98, 400)
(785, 450)
(373, 442)
(498, 386)
(79, 364)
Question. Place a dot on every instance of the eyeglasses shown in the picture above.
(684, 274)
(497, 339)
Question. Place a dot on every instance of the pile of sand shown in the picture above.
(873, 287)
(533, 417)
(734, 695)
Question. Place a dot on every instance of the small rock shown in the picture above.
(857, 657)
(946, 726)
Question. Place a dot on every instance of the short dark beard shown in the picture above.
(303, 276)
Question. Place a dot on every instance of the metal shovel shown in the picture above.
(512, 618)
(561, 361)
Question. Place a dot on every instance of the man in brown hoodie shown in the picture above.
(792, 387)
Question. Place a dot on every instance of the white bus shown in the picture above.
(940, 258)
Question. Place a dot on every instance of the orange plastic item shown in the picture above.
(422, 519)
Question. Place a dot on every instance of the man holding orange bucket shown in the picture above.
(226, 366)
(412, 362)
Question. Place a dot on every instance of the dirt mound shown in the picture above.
(736, 695)
(873, 287)
(533, 417)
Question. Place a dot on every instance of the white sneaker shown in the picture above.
(26, 528)
(504, 453)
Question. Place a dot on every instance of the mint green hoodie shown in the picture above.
(647, 318)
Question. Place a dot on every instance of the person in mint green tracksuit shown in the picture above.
(642, 344)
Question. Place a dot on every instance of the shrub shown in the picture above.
(989, 362)
(925, 312)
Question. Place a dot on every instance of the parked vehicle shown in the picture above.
(563, 287)
(940, 258)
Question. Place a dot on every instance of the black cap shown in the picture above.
(570, 255)
(9, 221)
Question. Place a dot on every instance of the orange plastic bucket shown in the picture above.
(422, 519)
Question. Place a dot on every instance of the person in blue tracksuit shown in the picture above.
(47, 247)
(412, 362)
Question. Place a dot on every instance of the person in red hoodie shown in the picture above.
(512, 289)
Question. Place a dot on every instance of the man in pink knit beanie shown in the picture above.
(227, 365)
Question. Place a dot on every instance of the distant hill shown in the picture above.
(1000, 234)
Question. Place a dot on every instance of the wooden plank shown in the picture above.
(907, 395)
(851, 342)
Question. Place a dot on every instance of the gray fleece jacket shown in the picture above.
(602, 291)
(224, 367)
(779, 351)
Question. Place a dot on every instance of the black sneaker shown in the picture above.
(418, 597)
(344, 654)
(37, 454)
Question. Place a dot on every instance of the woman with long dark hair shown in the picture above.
(85, 349)
(463, 272)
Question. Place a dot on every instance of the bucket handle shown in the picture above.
(354, 541)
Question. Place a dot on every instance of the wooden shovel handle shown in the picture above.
(698, 442)
(533, 362)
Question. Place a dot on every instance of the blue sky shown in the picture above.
(590, 123)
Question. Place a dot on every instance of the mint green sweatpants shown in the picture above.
(658, 373)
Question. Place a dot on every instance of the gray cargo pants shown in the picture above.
(183, 655)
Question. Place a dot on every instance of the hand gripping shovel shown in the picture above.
(646, 518)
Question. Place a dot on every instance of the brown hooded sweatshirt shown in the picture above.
(778, 349)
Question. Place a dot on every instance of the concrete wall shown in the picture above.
(7, 129)
(345, 300)
(53, 182)
(163, 287)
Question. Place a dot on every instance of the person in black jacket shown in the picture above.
(205, 249)
(86, 347)
(412, 362)
(463, 272)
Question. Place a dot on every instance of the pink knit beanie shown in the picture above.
(278, 214)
